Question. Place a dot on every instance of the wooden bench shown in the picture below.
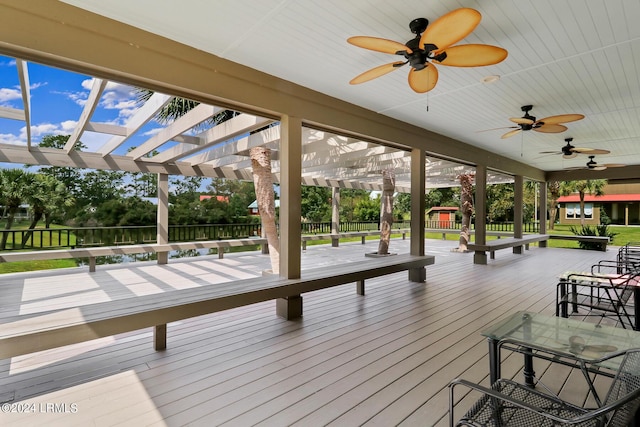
(446, 231)
(491, 246)
(602, 241)
(94, 252)
(29, 333)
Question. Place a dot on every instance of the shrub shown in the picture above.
(598, 230)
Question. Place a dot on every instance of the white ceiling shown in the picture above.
(565, 56)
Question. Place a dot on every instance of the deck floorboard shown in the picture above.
(382, 359)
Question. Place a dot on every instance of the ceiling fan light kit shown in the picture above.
(433, 44)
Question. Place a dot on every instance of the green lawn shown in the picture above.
(623, 236)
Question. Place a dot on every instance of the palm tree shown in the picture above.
(589, 186)
(46, 196)
(386, 210)
(466, 208)
(554, 195)
(15, 187)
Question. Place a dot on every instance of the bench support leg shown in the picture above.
(480, 257)
(92, 264)
(160, 337)
(517, 250)
(418, 275)
(290, 307)
(335, 242)
(360, 287)
(364, 240)
(220, 253)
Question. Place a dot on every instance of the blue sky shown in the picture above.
(57, 100)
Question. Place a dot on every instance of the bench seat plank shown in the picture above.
(512, 242)
(41, 331)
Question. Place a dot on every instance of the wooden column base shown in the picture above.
(418, 275)
(290, 307)
(160, 337)
(480, 257)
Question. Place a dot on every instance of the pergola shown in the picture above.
(316, 139)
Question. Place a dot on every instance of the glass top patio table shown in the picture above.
(582, 343)
(564, 336)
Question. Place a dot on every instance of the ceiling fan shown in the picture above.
(431, 45)
(551, 124)
(569, 151)
(594, 166)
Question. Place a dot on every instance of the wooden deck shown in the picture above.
(380, 360)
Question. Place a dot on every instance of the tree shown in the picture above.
(367, 209)
(466, 208)
(263, 181)
(349, 199)
(583, 187)
(386, 210)
(316, 206)
(552, 204)
(16, 186)
(47, 195)
(402, 206)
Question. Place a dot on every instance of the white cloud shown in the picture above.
(9, 138)
(152, 132)
(7, 95)
(68, 126)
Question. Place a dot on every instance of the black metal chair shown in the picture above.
(602, 294)
(508, 403)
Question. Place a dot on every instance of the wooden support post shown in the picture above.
(360, 287)
(417, 241)
(290, 307)
(160, 337)
(162, 222)
(335, 216)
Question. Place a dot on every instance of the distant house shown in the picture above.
(253, 207)
(620, 203)
(442, 217)
(224, 199)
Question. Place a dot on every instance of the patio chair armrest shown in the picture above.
(506, 398)
(585, 414)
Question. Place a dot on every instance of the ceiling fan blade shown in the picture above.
(614, 165)
(511, 133)
(473, 55)
(562, 118)
(375, 72)
(505, 127)
(583, 150)
(570, 156)
(377, 44)
(522, 121)
(550, 128)
(550, 152)
(451, 28)
(423, 80)
(598, 168)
